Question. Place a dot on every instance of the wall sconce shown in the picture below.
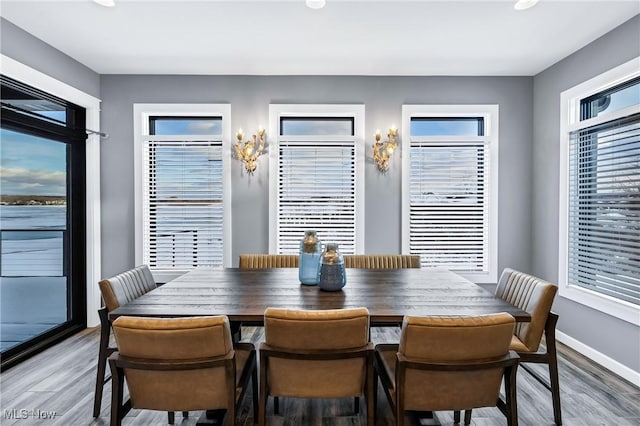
(382, 151)
(248, 152)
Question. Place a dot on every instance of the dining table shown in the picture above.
(388, 294)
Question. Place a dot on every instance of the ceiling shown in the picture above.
(371, 37)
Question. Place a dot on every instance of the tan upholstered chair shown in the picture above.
(381, 261)
(316, 354)
(265, 261)
(535, 296)
(450, 363)
(180, 364)
(116, 291)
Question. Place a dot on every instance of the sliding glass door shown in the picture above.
(41, 221)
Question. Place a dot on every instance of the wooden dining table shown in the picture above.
(389, 295)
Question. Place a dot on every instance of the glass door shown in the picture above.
(42, 244)
(33, 210)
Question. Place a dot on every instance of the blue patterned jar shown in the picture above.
(332, 273)
(309, 262)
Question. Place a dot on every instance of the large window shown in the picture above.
(449, 187)
(182, 187)
(317, 181)
(42, 237)
(600, 208)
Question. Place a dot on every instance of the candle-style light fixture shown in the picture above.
(382, 151)
(249, 151)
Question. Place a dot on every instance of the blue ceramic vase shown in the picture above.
(332, 272)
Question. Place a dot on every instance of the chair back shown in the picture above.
(531, 294)
(175, 342)
(453, 341)
(381, 261)
(265, 261)
(123, 288)
(302, 334)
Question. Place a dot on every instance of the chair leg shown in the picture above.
(254, 387)
(117, 386)
(555, 392)
(102, 361)
(356, 405)
(171, 417)
(276, 405)
(552, 357)
(511, 398)
(467, 417)
(262, 410)
(456, 417)
(185, 414)
(369, 391)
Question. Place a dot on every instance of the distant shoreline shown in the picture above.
(33, 200)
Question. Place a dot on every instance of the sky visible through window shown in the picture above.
(436, 126)
(186, 125)
(31, 165)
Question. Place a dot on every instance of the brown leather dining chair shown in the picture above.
(450, 363)
(265, 261)
(262, 261)
(381, 261)
(316, 354)
(116, 291)
(180, 364)
(535, 296)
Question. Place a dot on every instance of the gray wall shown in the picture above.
(29, 50)
(618, 339)
(250, 97)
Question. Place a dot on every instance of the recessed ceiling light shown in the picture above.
(106, 3)
(524, 4)
(316, 4)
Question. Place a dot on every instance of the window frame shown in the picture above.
(490, 113)
(141, 115)
(93, 248)
(570, 122)
(355, 111)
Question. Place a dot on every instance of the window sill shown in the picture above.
(623, 310)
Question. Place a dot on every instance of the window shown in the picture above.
(317, 161)
(600, 198)
(450, 187)
(182, 202)
(42, 240)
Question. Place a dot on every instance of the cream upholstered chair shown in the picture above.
(116, 291)
(535, 296)
(316, 354)
(381, 261)
(180, 364)
(450, 363)
(264, 261)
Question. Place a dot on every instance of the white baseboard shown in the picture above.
(600, 358)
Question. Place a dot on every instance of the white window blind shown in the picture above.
(604, 208)
(316, 190)
(449, 205)
(317, 176)
(449, 187)
(183, 204)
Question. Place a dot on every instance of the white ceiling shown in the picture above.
(427, 37)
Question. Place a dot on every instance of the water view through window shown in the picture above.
(33, 228)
